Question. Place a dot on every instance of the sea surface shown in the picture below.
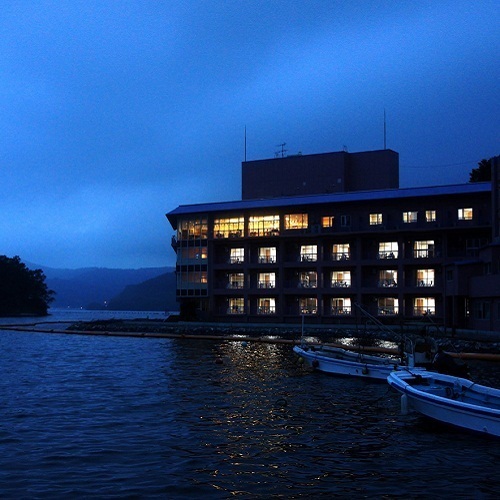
(107, 417)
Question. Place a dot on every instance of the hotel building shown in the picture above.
(317, 235)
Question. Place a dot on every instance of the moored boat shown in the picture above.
(338, 361)
(450, 399)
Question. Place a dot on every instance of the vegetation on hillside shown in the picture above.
(22, 290)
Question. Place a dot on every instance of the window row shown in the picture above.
(309, 253)
(270, 225)
(386, 306)
(411, 216)
(336, 279)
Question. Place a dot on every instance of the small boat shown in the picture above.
(450, 399)
(338, 361)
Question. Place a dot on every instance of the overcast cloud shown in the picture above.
(115, 112)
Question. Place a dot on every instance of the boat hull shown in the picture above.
(342, 362)
(451, 400)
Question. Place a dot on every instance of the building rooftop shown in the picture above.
(346, 197)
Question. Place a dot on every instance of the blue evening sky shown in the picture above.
(115, 112)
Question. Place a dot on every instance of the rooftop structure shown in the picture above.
(320, 173)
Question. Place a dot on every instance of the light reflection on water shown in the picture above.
(98, 417)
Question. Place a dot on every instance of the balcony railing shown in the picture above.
(308, 310)
(388, 311)
(308, 284)
(235, 285)
(425, 283)
(423, 254)
(267, 260)
(235, 310)
(341, 284)
(266, 284)
(388, 255)
(424, 311)
(266, 310)
(387, 283)
(341, 311)
(309, 258)
(341, 256)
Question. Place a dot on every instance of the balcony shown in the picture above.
(425, 283)
(267, 260)
(266, 284)
(341, 284)
(307, 284)
(387, 255)
(341, 311)
(387, 283)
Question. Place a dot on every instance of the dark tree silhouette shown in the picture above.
(482, 172)
(22, 291)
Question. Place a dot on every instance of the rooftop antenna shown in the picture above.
(281, 154)
(245, 143)
(385, 133)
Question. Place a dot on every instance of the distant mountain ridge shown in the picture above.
(156, 294)
(100, 288)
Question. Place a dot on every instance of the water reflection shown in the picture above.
(131, 417)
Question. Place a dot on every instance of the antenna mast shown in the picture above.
(245, 143)
(385, 133)
(281, 154)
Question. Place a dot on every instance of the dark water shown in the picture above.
(99, 417)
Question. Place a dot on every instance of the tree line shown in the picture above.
(22, 290)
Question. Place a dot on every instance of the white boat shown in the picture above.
(453, 400)
(340, 361)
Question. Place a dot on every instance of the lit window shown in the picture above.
(341, 279)
(388, 250)
(192, 229)
(296, 221)
(308, 305)
(267, 255)
(465, 214)
(430, 215)
(266, 306)
(388, 306)
(236, 280)
(191, 255)
(236, 305)
(190, 280)
(341, 251)
(264, 225)
(309, 253)
(424, 305)
(327, 221)
(387, 278)
(267, 280)
(229, 228)
(425, 277)
(423, 249)
(237, 256)
(308, 279)
(409, 217)
(375, 219)
(341, 306)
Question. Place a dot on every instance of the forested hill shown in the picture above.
(96, 287)
(156, 294)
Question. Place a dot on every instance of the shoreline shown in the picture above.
(277, 334)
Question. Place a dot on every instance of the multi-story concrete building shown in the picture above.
(401, 254)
